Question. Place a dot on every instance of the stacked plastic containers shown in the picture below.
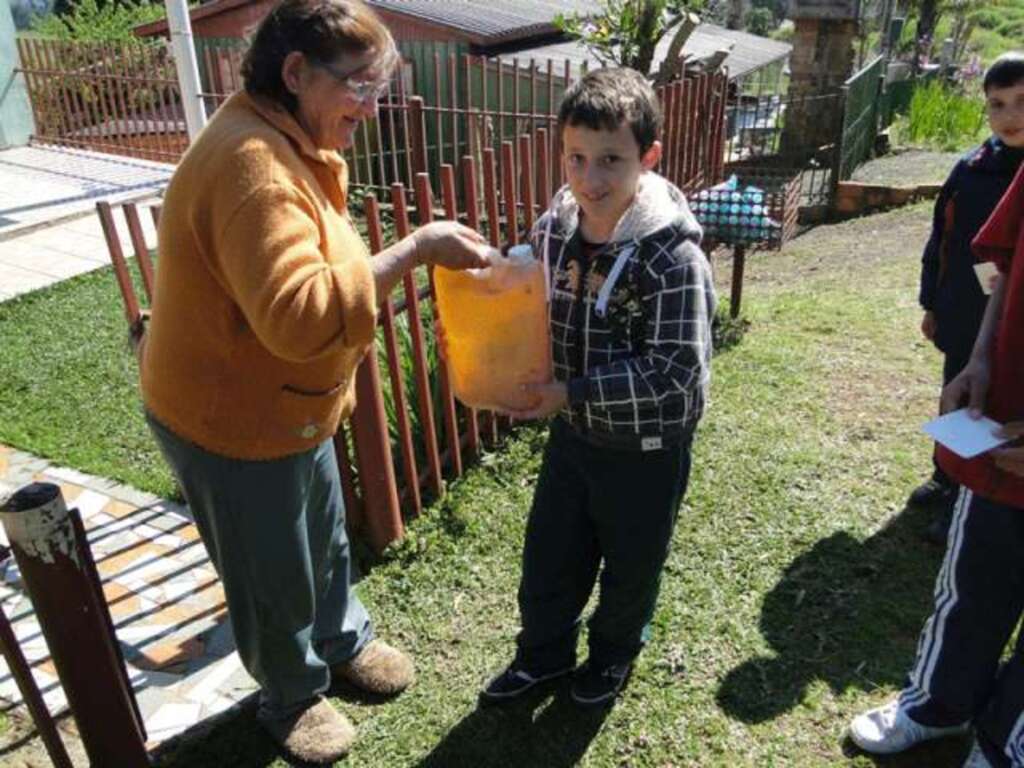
(496, 326)
(733, 215)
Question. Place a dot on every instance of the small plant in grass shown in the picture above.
(942, 117)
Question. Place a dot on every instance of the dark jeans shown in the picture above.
(595, 504)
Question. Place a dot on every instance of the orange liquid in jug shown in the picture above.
(496, 324)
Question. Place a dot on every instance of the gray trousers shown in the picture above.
(275, 532)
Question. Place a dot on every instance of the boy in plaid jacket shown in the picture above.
(631, 304)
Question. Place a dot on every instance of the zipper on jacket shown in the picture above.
(579, 327)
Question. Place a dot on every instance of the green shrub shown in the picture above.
(107, 22)
(1012, 28)
(943, 117)
(988, 18)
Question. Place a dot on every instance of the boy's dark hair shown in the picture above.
(1006, 71)
(607, 98)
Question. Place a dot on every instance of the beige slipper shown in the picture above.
(318, 734)
(377, 668)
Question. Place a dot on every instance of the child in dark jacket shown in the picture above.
(951, 295)
(631, 304)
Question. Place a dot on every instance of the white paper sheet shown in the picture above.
(963, 435)
(986, 272)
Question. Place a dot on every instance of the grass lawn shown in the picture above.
(796, 585)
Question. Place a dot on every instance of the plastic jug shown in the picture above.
(496, 325)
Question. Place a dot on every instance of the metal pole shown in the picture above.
(739, 262)
(180, 27)
(60, 578)
(382, 513)
(33, 699)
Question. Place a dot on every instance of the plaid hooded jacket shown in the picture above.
(631, 324)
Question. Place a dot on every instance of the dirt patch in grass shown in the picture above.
(908, 167)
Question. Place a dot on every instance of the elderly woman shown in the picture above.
(266, 300)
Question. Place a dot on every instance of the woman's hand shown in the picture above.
(970, 385)
(452, 245)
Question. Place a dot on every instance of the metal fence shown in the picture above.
(759, 138)
(120, 98)
(438, 109)
(862, 96)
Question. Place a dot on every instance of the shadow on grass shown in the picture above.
(232, 738)
(847, 613)
(541, 729)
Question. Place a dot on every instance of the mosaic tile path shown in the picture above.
(40, 185)
(165, 600)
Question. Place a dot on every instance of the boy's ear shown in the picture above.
(650, 159)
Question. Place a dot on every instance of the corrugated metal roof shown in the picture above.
(489, 22)
(749, 52)
(492, 23)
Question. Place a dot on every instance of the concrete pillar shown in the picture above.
(822, 59)
(16, 123)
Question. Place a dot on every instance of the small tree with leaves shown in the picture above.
(626, 33)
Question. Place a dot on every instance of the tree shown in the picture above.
(626, 32)
(760, 21)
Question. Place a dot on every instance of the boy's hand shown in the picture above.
(928, 325)
(1011, 459)
(970, 385)
(553, 397)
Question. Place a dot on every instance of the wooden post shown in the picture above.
(60, 578)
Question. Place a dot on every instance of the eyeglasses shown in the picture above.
(361, 90)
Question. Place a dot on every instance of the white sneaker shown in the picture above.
(887, 730)
(977, 758)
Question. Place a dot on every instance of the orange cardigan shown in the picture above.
(264, 301)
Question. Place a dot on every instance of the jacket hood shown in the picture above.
(658, 204)
(995, 156)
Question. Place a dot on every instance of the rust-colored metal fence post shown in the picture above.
(382, 514)
(739, 263)
(60, 577)
(417, 136)
(22, 674)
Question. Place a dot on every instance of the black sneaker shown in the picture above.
(593, 686)
(515, 681)
(932, 493)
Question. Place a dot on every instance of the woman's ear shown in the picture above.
(650, 159)
(293, 70)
